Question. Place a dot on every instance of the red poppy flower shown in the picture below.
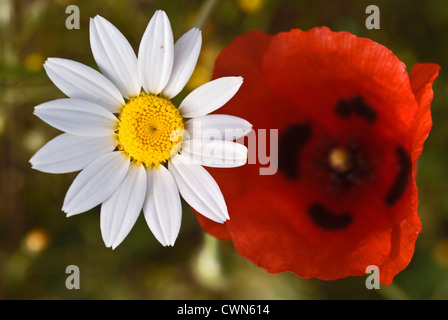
(351, 125)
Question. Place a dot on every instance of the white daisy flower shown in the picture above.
(130, 143)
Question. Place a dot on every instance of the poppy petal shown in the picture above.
(275, 235)
(403, 245)
(422, 78)
(218, 230)
(311, 69)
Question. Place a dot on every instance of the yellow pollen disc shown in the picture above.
(149, 130)
(339, 159)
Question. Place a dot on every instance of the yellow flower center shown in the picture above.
(150, 130)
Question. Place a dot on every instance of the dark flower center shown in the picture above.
(345, 167)
(338, 167)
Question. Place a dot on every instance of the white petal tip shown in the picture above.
(51, 61)
(236, 80)
(225, 216)
(107, 242)
(116, 244)
(165, 243)
(69, 212)
(219, 217)
(224, 220)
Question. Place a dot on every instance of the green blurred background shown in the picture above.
(37, 241)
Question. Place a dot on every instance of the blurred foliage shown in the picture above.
(37, 242)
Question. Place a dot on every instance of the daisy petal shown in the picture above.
(186, 53)
(96, 183)
(78, 117)
(217, 126)
(69, 153)
(162, 208)
(156, 54)
(215, 153)
(121, 210)
(199, 189)
(114, 56)
(210, 96)
(82, 82)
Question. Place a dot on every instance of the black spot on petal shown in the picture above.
(402, 179)
(363, 110)
(357, 106)
(290, 143)
(326, 219)
(343, 108)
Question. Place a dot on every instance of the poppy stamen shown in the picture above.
(339, 160)
(347, 167)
